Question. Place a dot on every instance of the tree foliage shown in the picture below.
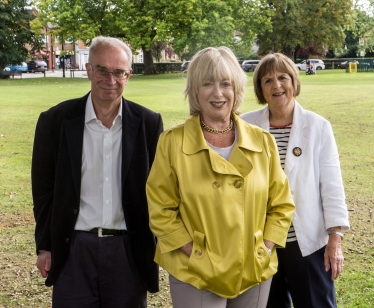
(363, 31)
(15, 32)
(188, 24)
(316, 24)
(138, 22)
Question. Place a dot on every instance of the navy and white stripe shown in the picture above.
(282, 135)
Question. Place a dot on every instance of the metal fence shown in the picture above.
(363, 65)
(161, 68)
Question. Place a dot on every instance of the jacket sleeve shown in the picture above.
(280, 207)
(42, 180)
(163, 198)
(331, 184)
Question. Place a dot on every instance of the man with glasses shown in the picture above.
(90, 164)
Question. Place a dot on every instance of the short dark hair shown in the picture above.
(271, 63)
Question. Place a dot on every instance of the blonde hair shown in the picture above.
(100, 41)
(214, 64)
(271, 63)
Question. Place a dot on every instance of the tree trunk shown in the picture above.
(288, 52)
(297, 48)
(149, 67)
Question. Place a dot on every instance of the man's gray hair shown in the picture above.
(110, 41)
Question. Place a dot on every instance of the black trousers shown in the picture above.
(303, 279)
(99, 273)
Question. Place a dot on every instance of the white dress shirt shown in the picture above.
(100, 199)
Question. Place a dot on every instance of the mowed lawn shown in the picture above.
(346, 100)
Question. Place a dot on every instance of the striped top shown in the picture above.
(282, 135)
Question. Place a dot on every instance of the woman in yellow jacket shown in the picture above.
(218, 199)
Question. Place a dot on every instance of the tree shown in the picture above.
(218, 21)
(363, 32)
(15, 32)
(296, 24)
(189, 24)
(138, 22)
(156, 48)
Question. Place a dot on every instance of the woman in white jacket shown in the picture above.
(313, 258)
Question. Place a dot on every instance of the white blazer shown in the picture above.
(314, 176)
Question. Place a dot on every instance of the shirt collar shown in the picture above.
(90, 111)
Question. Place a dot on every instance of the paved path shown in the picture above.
(56, 73)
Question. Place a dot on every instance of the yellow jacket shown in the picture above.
(225, 207)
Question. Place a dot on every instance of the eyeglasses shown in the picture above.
(118, 74)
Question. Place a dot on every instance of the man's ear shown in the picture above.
(89, 71)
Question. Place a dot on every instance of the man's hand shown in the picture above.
(333, 257)
(43, 263)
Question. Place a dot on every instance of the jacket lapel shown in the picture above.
(74, 129)
(297, 140)
(296, 137)
(130, 126)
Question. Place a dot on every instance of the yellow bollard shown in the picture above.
(352, 67)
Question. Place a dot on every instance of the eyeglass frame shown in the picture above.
(127, 74)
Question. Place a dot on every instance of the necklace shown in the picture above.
(282, 129)
(282, 126)
(217, 131)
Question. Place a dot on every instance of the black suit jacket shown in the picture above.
(56, 181)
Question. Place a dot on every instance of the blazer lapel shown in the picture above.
(74, 129)
(130, 126)
(297, 140)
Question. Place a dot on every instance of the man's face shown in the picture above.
(107, 89)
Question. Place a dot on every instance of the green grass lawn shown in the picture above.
(346, 100)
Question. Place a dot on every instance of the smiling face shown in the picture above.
(278, 90)
(107, 90)
(216, 99)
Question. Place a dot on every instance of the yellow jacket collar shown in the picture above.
(193, 138)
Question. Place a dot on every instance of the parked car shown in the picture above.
(345, 63)
(36, 66)
(360, 64)
(18, 67)
(318, 64)
(184, 66)
(249, 65)
(5, 71)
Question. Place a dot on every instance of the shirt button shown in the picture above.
(107, 201)
(75, 211)
(238, 184)
(107, 156)
(107, 179)
(216, 184)
(67, 240)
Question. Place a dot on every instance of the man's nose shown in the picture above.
(110, 78)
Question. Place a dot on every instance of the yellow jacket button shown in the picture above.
(238, 184)
(216, 184)
(198, 252)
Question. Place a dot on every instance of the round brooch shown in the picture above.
(297, 151)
